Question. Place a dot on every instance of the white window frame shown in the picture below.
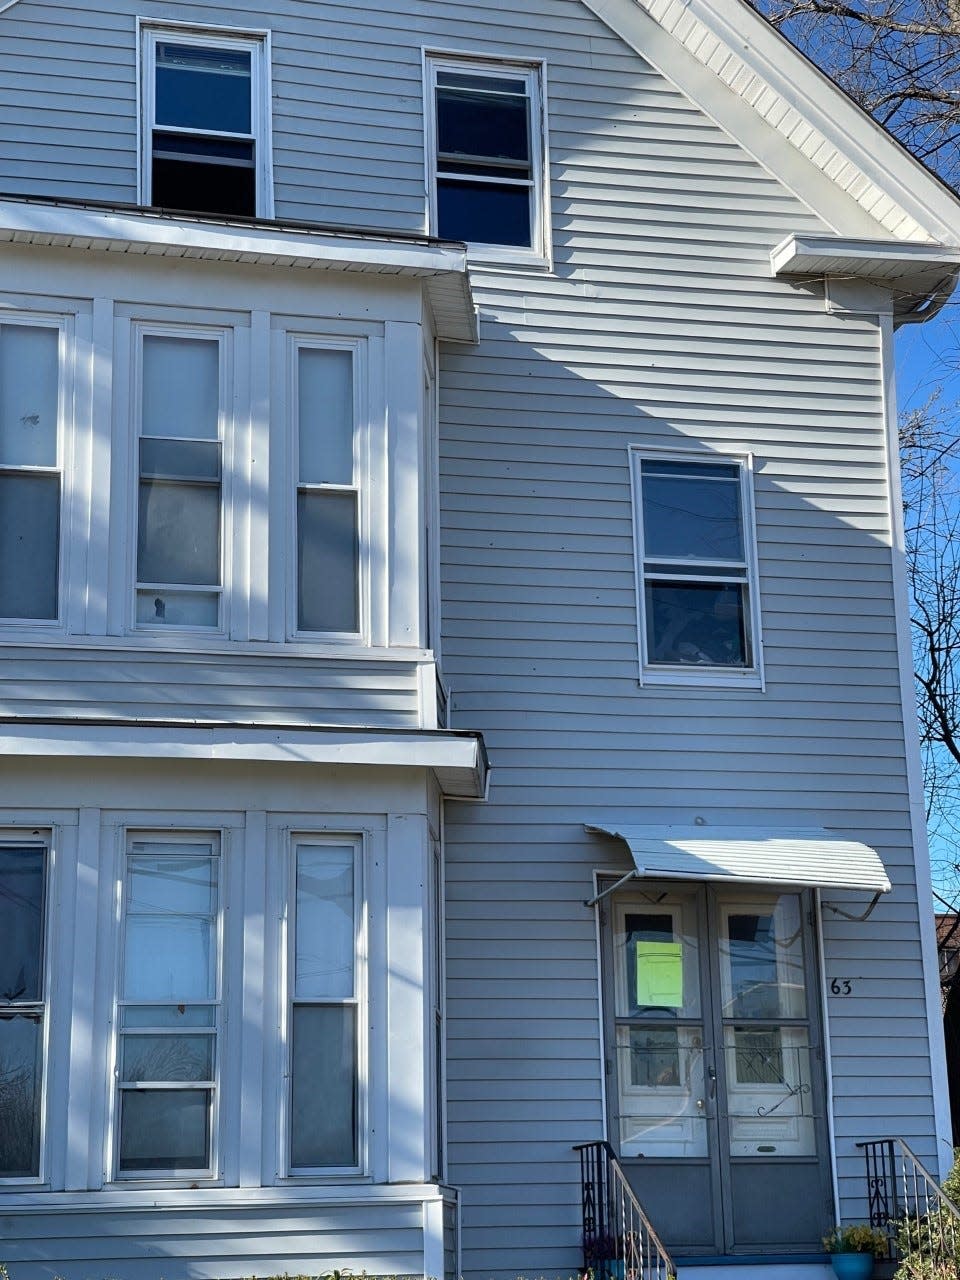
(718, 676)
(289, 840)
(65, 325)
(362, 483)
(257, 43)
(213, 1174)
(228, 426)
(40, 839)
(534, 73)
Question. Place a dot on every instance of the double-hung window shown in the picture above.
(487, 181)
(205, 129)
(23, 869)
(30, 471)
(698, 596)
(179, 535)
(328, 495)
(323, 1006)
(169, 1007)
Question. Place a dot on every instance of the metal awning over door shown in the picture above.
(806, 858)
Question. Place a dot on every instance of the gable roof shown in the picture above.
(787, 113)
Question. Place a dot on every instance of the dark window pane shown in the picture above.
(698, 518)
(29, 545)
(198, 149)
(178, 539)
(202, 88)
(323, 1122)
(327, 562)
(166, 1129)
(701, 470)
(204, 187)
(485, 125)
(162, 1058)
(21, 925)
(483, 212)
(491, 84)
(20, 1043)
(699, 625)
(179, 459)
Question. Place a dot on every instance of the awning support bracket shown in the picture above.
(604, 893)
(847, 915)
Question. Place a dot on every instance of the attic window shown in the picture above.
(205, 133)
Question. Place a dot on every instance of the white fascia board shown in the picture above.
(755, 85)
(442, 267)
(458, 759)
(893, 260)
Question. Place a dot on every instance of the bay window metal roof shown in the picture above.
(805, 857)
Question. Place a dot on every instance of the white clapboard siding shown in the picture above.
(251, 689)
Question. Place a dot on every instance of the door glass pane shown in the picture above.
(692, 516)
(181, 387)
(770, 1100)
(325, 925)
(203, 88)
(21, 925)
(325, 416)
(761, 957)
(327, 562)
(29, 386)
(662, 1100)
(164, 1130)
(29, 545)
(20, 1046)
(323, 1122)
(656, 957)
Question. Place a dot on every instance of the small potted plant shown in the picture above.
(853, 1249)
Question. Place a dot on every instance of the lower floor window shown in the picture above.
(22, 1007)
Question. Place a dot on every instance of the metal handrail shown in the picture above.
(619, 1241)
(920, 1220)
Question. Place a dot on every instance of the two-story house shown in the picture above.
(539, 355)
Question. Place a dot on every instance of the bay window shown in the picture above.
(30, 471)
(23, 869)
(169, 1008)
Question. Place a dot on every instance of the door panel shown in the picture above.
(717, 1098)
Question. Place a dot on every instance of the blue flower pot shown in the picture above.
(852, 1266)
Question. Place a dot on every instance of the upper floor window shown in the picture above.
(695, 548)
(487, 157)
(205, 122)
(30, 471)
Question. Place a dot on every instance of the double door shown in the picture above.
(714, 1064)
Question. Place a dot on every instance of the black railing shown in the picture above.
(619, 1242)
(921, 1223)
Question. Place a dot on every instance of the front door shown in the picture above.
(715, 1066)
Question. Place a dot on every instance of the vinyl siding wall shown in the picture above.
(660, 325)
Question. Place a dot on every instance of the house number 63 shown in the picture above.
(840, 987)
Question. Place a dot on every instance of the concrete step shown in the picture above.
(756, 1271)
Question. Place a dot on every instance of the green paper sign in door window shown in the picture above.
(660, 974)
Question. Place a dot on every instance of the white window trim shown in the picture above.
(172, 834)
(258, 42)
(41, 839)
(297, 341)
(717, 677)
(534, 71)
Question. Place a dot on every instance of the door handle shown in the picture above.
(712, 1077)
